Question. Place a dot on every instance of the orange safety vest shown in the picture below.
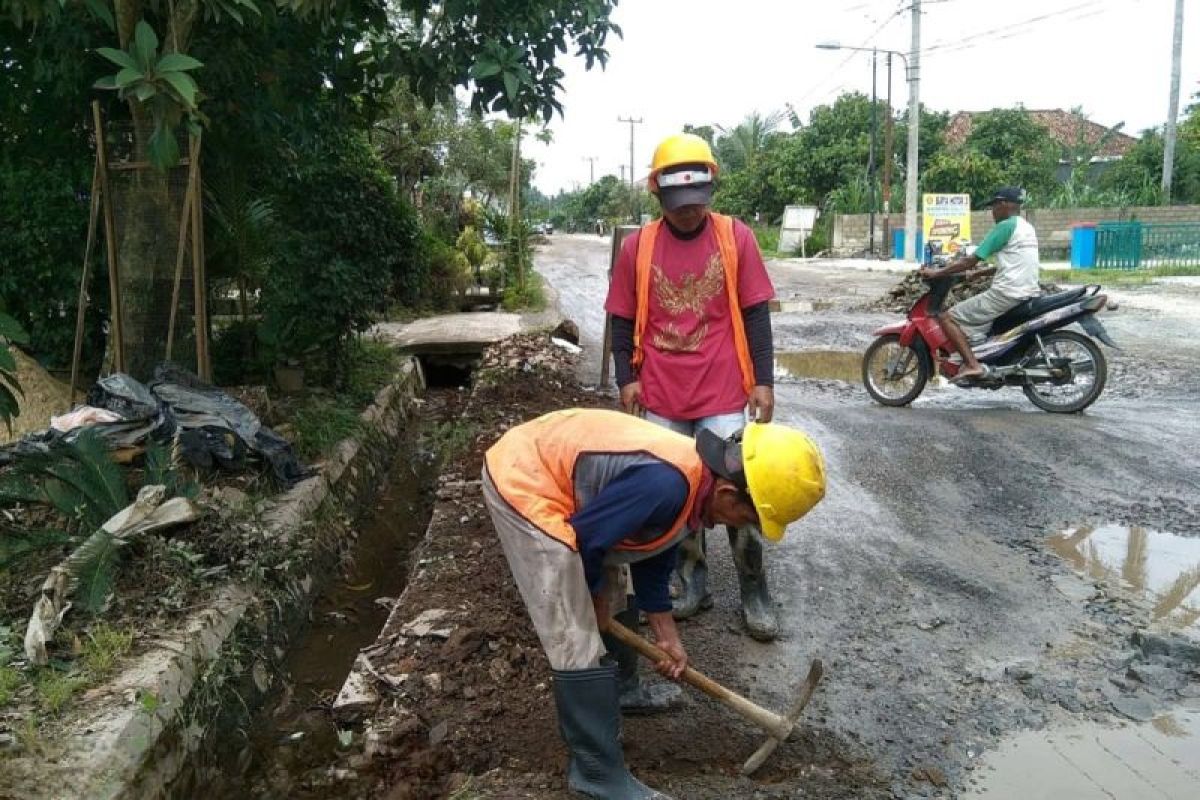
(723, 228)
(535, 467)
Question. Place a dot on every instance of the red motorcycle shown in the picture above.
(1061, 371)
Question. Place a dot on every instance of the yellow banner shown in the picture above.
(946, 221)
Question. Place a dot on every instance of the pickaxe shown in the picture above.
(777, 727)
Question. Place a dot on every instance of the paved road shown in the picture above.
(925, 580)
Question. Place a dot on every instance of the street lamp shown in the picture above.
(910, 214)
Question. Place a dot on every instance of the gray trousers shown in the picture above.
(550, 578)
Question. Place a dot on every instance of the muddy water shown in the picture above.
(1162, 566)
(298, 733)
(838, 365)
(1160, 759)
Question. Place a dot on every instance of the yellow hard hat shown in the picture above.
(680, 148)
(785, 474)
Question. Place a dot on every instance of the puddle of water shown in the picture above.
(838, 365)
(1160, 760)
(1164, 567)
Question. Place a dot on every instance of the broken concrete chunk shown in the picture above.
(429, 623)
(358, 694)
(1138, 708)
(434, 681)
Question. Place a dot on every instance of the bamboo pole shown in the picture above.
(116, 322)
(184, 224)
(199, 276)
(81, 312)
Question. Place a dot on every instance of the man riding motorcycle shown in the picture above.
(1014, 244)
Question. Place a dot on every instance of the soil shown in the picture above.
(44, 396)
(470, 704)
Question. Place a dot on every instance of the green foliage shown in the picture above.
(10, 680)
(351, 240)
(78, 479)
(17, 544)
(55, 689)
(321, 423)
(767, 237)
(164, 467)
(963, 171)
(1140, 171)
(104, 646)
(160, 83)
(1022, 150)
(243, 235)
(10, 387)
(373, 364)
(44, 233)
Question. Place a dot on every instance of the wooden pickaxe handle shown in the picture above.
(778, 727)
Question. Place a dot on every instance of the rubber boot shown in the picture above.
(638, 696)
(758, 610)
(691, 569)
(590, 722)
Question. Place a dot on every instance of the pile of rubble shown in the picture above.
(901, 297)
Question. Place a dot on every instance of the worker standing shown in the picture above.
(692, 344)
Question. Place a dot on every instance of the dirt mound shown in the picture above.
(901, 296)
(44, 397)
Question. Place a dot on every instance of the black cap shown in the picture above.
(722, 456)
(1007, 194)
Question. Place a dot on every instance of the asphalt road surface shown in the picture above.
(981, 573)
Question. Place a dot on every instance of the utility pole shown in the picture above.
(592, 171)
(914, 120)
(1173, 106)
(622, 168)
(888, 146)
(632, 170)
(871, 156)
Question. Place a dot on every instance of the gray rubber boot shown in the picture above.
(691, 568)
(590, 722)
(636, 695)
(758, 610)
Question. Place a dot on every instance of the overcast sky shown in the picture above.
(714, 61)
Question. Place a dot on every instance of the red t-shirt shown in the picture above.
(690, 369)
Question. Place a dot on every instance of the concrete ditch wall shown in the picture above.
(127, 748)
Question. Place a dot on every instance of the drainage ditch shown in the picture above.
(295, 737)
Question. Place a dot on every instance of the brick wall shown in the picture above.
(1053, 225)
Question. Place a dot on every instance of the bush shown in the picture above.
(41, 252)
(351, 242)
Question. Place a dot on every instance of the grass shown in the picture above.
(10, 679)
(372, 364)
(768, 240)
(55, 690)
(531, 298)
(321, 422)
(451, 438)
(105, 645)
(1117, 277)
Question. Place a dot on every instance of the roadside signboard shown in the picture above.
(798, 222)
(946, 221)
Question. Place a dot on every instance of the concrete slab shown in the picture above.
(450, 333)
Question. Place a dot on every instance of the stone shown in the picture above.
(1137, 708)
(438, 733)
(1156, 677)
(567, 330)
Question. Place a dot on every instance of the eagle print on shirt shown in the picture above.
(692, 293)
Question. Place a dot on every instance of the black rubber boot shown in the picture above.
(691, 569)
(638, 696)
(758, 610)
(590, 723)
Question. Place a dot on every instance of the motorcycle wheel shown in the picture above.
(1089, 373)
(908, 381)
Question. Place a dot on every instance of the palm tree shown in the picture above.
(740, 146)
